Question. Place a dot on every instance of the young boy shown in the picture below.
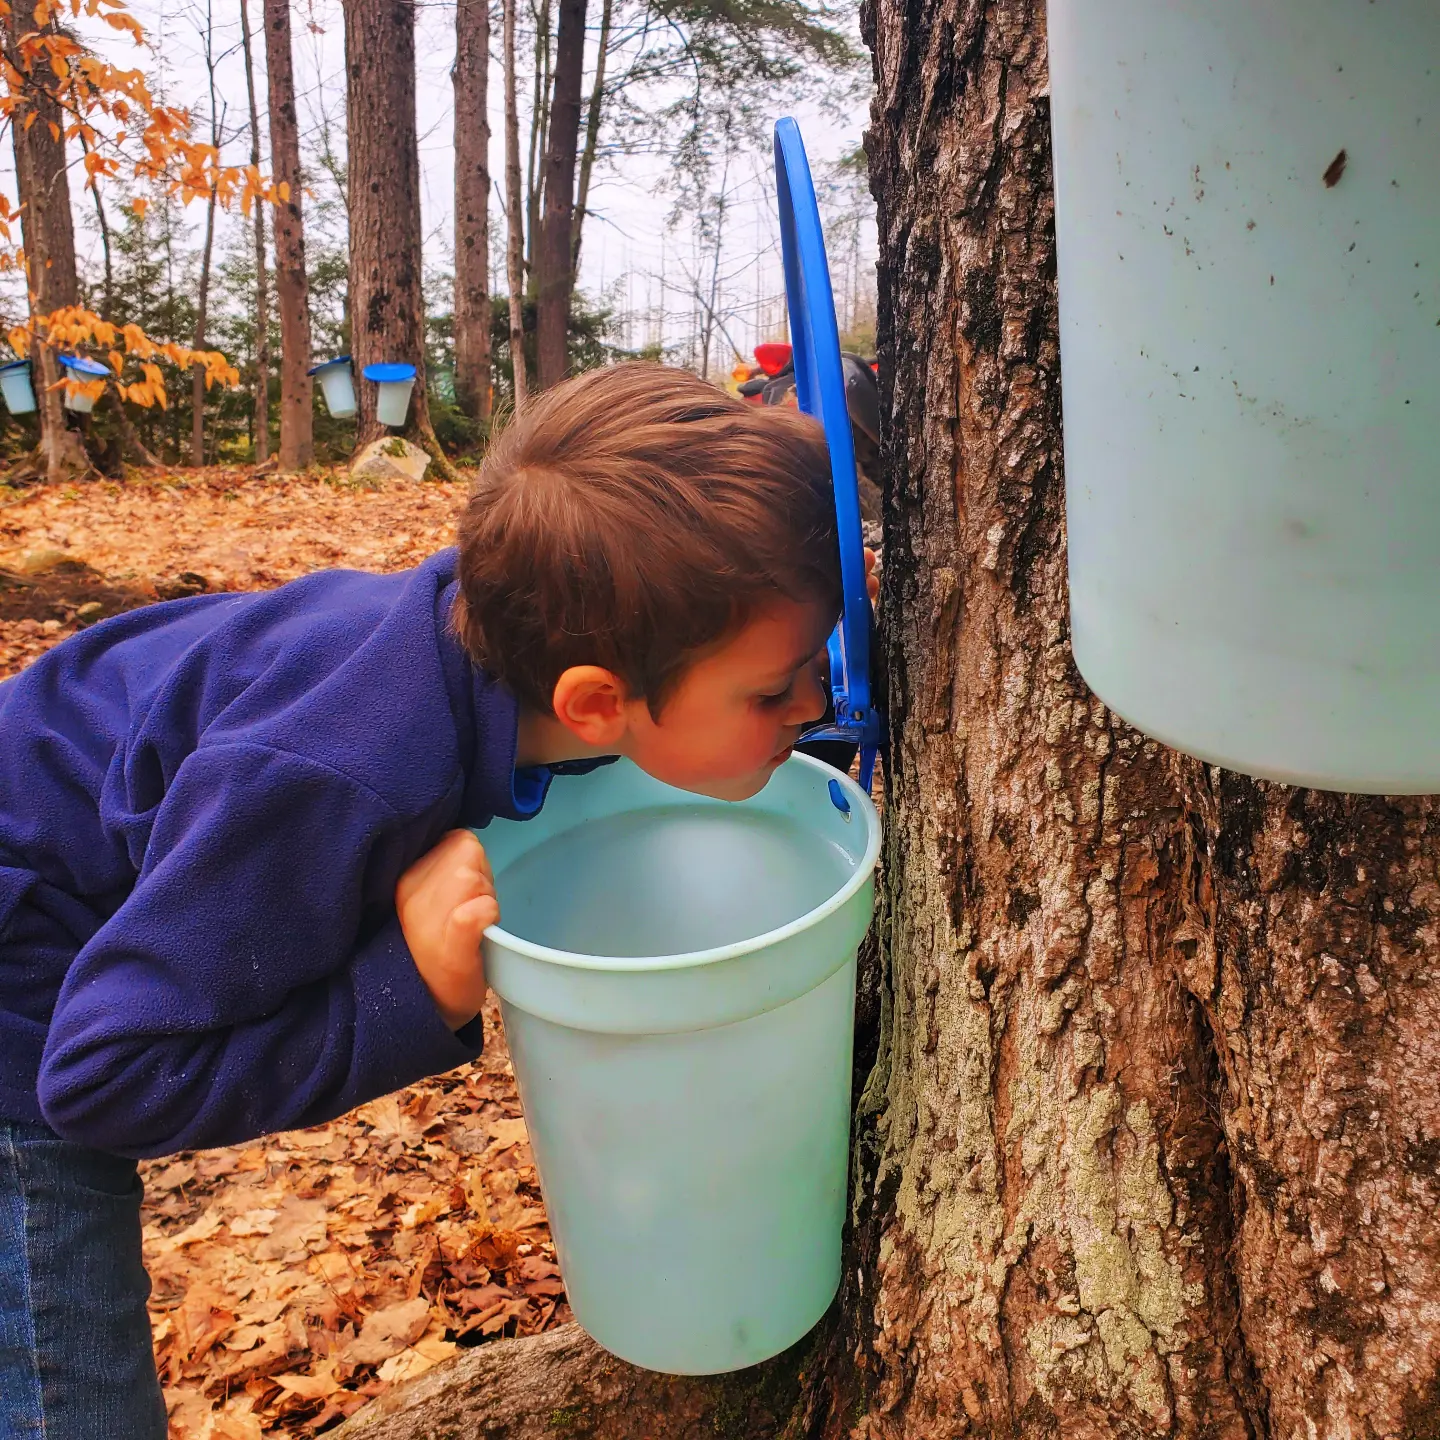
(234, 894)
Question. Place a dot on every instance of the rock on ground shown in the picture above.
(391, 458)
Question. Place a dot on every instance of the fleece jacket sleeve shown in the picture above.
(231, 994)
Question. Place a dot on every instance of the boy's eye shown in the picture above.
(771, 701)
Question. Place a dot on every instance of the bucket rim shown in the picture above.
(694, 959)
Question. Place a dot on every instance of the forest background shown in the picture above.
(670, 186)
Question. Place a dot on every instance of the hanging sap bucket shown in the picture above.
(17, 388)
(337, 384)
(395, 383)
(1248, 200)
(677, 979)
(77, 367)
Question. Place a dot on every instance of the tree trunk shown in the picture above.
(197, 372)
(1147, 1137)
(592, 138)
(36, 126)
(262, 280)
(514, 240)
(539, 120)
(1149, 1148)
(555, 279)
(472, 207)
(292, 294)
(387, 306)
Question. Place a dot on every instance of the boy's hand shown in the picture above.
(445, 900)
(872, 580)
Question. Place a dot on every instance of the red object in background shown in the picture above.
(773, 357)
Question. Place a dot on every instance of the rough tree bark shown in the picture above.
(1148, 1139)
(262, 279)
(292, 293)
(387, 303)
(514, 239)
(37, 131)
(1150, 1145)
(554, 275)
(470, 77)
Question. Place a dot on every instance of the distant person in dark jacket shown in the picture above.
(236, 894)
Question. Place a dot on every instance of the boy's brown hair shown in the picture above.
(633, 516)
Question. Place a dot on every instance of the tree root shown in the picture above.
(562, 1386)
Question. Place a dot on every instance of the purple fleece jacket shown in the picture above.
(204, 808)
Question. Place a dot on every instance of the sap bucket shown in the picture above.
(677, 979)
(395, 383)
(1248, 199)
(337, 384)
(78, 368)
(17, 387)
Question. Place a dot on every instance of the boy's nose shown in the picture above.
(810, 697)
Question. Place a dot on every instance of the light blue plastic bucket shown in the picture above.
(16, 387)
(677, 979)
(393, 384)
(337, 385)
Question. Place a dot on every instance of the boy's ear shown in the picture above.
(590, 703)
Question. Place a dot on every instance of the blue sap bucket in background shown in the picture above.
(77, 367)
(677, 979)
(17, 388)
(337, 384)
(395, 383)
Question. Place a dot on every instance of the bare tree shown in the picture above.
(197, 372)
(262, 278)
(593, 113)
(470, 77)
(514, 238)
(297, 445)
(555, 275)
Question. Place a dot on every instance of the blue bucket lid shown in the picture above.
(83, 366)
(389, 374)
(820, 390)
(14, 365)
(326, 364)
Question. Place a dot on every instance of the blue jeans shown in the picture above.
(75, 1353)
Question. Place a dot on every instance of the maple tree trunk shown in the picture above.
(292, 294)
(387, 306)
(36, 127)
(1148, 1130)
(262, 280)
(197, 372)
(470, 77)
(1150, 1143)
(514, 240)
(555, 277)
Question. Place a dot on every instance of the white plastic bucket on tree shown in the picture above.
(677, 978)
(395, 382)
(17, 387)
(1248, 219)
(337, 385)
(77, 367)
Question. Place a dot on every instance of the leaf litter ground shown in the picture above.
(298, 1277)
